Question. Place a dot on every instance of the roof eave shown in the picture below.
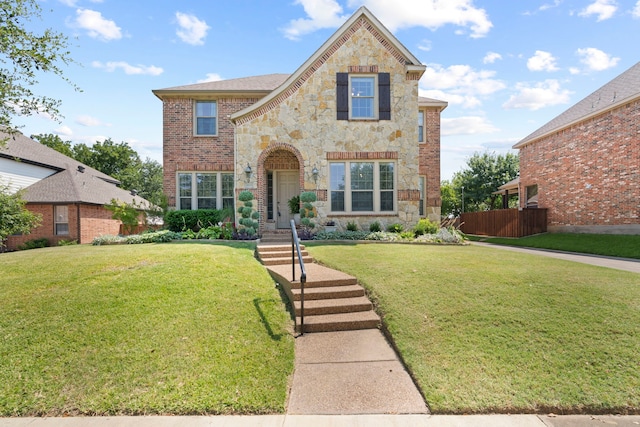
(162, 94)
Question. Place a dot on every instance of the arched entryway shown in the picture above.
(283, 180)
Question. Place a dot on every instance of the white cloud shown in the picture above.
(540, 95)
(97, 26)
(112, 66)
(459, 84)
(542, 61)
(425, 45)
(431, 14)
(211, 77)
(466, 125)
(63, 131)
(395, 15)
(491, 57)
(547, 6)
(321, 14)
(604, 9)
(191, 29)
(86, 120)
(595, 59)
(636, 10)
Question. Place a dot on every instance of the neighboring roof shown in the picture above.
(67, 184)
(624, 88)
(514, 184)
(430, 102)
(256, 84)
(412, 63)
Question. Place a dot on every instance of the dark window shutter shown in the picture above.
(384, 94)
(342, 96)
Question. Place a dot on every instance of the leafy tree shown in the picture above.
(14, 217)
(24, 56)
(482, 176)
(55, 142)
(115, 160)
(450, 199)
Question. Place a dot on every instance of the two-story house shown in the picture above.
(348, 124)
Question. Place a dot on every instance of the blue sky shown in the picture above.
(505, 67)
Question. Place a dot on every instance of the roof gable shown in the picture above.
(620, 90)
(255, 84)
(361, 18)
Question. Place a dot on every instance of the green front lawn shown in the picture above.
(625, 246)
(185, 328)
(484, 330)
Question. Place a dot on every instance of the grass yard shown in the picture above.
(625, 246)
(184, 328)
(484, 330)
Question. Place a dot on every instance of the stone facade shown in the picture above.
(588, 174)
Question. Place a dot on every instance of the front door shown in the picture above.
(287, 187)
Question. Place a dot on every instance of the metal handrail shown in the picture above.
(295, 246)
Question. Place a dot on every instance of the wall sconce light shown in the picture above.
(315, 173)
(247, 172)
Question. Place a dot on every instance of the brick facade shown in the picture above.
(588, 174)
(93, 221)
(182, 151)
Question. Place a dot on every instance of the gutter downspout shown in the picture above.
(78, 221)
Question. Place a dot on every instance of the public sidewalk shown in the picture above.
(333, 421)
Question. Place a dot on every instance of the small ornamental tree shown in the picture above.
(307, 213)
(125, 213)
(249, 216)
(14, 217)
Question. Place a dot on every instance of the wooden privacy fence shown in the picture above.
(505, 222)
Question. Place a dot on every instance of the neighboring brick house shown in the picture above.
(348, 124)
(584, 165)
(69, 195)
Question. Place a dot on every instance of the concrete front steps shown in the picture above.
(333, 301)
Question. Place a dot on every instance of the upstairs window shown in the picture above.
(206, 118)
(363, 96)
(363, 91)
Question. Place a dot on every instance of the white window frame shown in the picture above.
(196, 117)
(421, 117)
(375, 98)
(194, 189)
(376, 188)
(60, 219)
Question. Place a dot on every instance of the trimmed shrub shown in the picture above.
(395, 228)
(425, 226)
(375, 227)
(34, 244)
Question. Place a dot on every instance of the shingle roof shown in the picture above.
(431, 102)
(622, 89)
(265, 83)
(67, 184)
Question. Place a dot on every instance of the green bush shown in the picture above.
(395, 228)
(375, 227)
(425, 226)
(352, 226)
(195, 219)
(306, 213)
(34, 244)
(67, 242)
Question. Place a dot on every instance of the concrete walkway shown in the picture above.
(351, 372)
(625, 264)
